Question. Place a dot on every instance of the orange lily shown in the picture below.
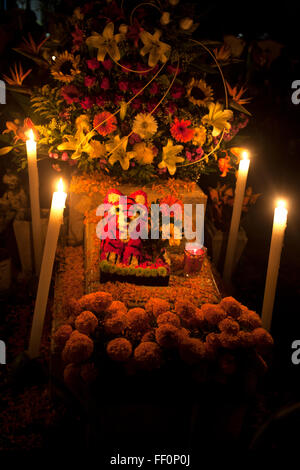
(237, 95)
(224, 165)
(17, 75)
(30, 46)
(223, 53)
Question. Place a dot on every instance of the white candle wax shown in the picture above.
(279, 225)
(55, 221)
(34, 200)
(236, 216)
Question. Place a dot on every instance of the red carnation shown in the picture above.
(93, 64)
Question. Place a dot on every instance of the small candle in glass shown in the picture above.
(194, 255)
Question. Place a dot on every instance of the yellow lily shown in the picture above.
(106, 43)
(81, 141)
(170, 158)
(157, 50)
(217, 118)
(119, 154)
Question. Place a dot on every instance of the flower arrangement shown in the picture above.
(147, 338)
(130, 96)
(220, 205)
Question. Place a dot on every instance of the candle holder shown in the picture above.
(193, 259)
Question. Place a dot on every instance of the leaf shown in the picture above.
(5, 150)
(239, 107)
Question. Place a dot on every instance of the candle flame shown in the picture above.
(60, 186)
(245, 155)
(30, 135)
(281, 204)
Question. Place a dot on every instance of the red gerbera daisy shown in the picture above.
(181, 132)
(107, 127)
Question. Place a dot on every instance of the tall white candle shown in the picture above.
(236, 216)
(55, 221)
(34, 200)
(279, 225)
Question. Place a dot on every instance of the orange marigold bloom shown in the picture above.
(249, 320)
(116, 306)
(227, 364)
(192, 350)
(167, 336)
(262, 340)
(147, 355)
(138, 320)
(231, 306)
(230, 326)
(116, 324)
(180, 130)
(72, 377)
(229, 341)
(97, 302)
(246, 339)
(61, 335)
(186, 312)
(86, 322)
(156, 306)
(78, 348)
(148, 336)
(168, 317)
(200, 317)
(119, 349)
(105, 123)
(88, 372)
(213, 313)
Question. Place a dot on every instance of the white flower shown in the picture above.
(186, 23)
(165, 18)
(144, 125)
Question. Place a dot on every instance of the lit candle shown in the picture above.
(34, 200)
(236, 216)
(55, 221)
(194, 255)
(279, 225)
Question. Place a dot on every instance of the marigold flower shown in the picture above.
(230, 326)
(138, 319)
(116, 324)
(231, 306)
(148, 336)
(186, 312)
(72, 377)
(119, 349)
(78, 348)
(192, 350)
(61, 335)
(227, 364)
(147, 355)
(115, 307)
(246, 339)
(230, 341)
(88, 372)
(249, 320)
(156, 306)
(168, 317)
(97, 302)
(167, 336)
(86, 322)
(262, 340)
(200, 319)
(213, 313)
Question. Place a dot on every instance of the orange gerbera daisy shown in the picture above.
(180, 130)
(104, 123)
